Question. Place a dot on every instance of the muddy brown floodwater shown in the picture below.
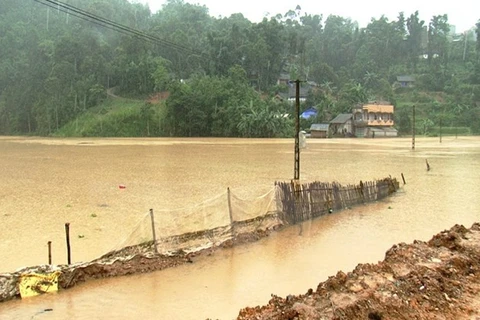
(47, 182)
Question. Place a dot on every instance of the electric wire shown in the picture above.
(117, 25)
(88, 20)
(109, 24)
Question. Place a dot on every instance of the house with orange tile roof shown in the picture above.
(374, 120)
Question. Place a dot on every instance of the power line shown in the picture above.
(84, 18)
(109, 24)
(118, 26)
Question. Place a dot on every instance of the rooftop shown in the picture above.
(342, 118)
(405, 78)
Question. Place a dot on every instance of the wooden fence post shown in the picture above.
(230, 213)
(152, 218)
(362, 192)
(67, 234)
(49, 252)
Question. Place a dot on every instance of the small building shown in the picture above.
(342, 125)
(302, 95)
(283, 79)
(374, 120)
(291, 95)
(406, 81)
(319, 130)
(381, 132)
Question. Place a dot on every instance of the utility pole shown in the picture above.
(440, 130)
(296, 175)
(413, 128)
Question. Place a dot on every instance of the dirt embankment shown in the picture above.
(438, 279)
(130, 260)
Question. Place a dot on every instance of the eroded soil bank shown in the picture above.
(438, 279)
(130, 260)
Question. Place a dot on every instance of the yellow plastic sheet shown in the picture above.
(33, 284)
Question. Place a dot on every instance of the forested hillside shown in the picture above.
(98, 68)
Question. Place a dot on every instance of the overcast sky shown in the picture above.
(461, 13)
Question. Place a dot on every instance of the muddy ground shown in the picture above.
(438, 279)
(130, 260)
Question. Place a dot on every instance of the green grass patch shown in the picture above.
(116, 118)
(449, 131)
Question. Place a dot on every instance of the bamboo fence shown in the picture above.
(299, 202)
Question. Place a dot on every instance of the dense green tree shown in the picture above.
(161, 75)
(338, 47)
(381, 46)
(222, 74)
(477, 32)
(438, 30)
(269, 50)
(415, 38)
(403, 121)
(183, 29)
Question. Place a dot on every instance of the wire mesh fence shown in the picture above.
(227, 216)
(202, 226)
(176, 233)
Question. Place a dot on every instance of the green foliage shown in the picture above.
(221, 73)
(475, 76)
(438, 30)
(262, 121)
(351, 94)
(403, 119)
(116, 118)
(217, 106)
(414, 39)
(449, 131)
(425, 126)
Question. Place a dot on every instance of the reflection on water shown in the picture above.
(50, 182)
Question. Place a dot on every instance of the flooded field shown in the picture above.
(48, 182)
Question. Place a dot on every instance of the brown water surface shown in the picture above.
(47, 182)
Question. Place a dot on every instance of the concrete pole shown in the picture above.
(296, 175)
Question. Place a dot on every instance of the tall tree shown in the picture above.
(438, 30)
(338, 38)
(415, 38)
(477, 32)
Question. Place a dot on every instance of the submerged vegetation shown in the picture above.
(181, 72)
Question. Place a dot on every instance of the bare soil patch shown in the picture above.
(438, 279)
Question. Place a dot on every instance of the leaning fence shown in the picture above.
(299, 202)
(207, 224)
(212, 223)
(226, 216)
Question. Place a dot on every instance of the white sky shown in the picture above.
(463, 14)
